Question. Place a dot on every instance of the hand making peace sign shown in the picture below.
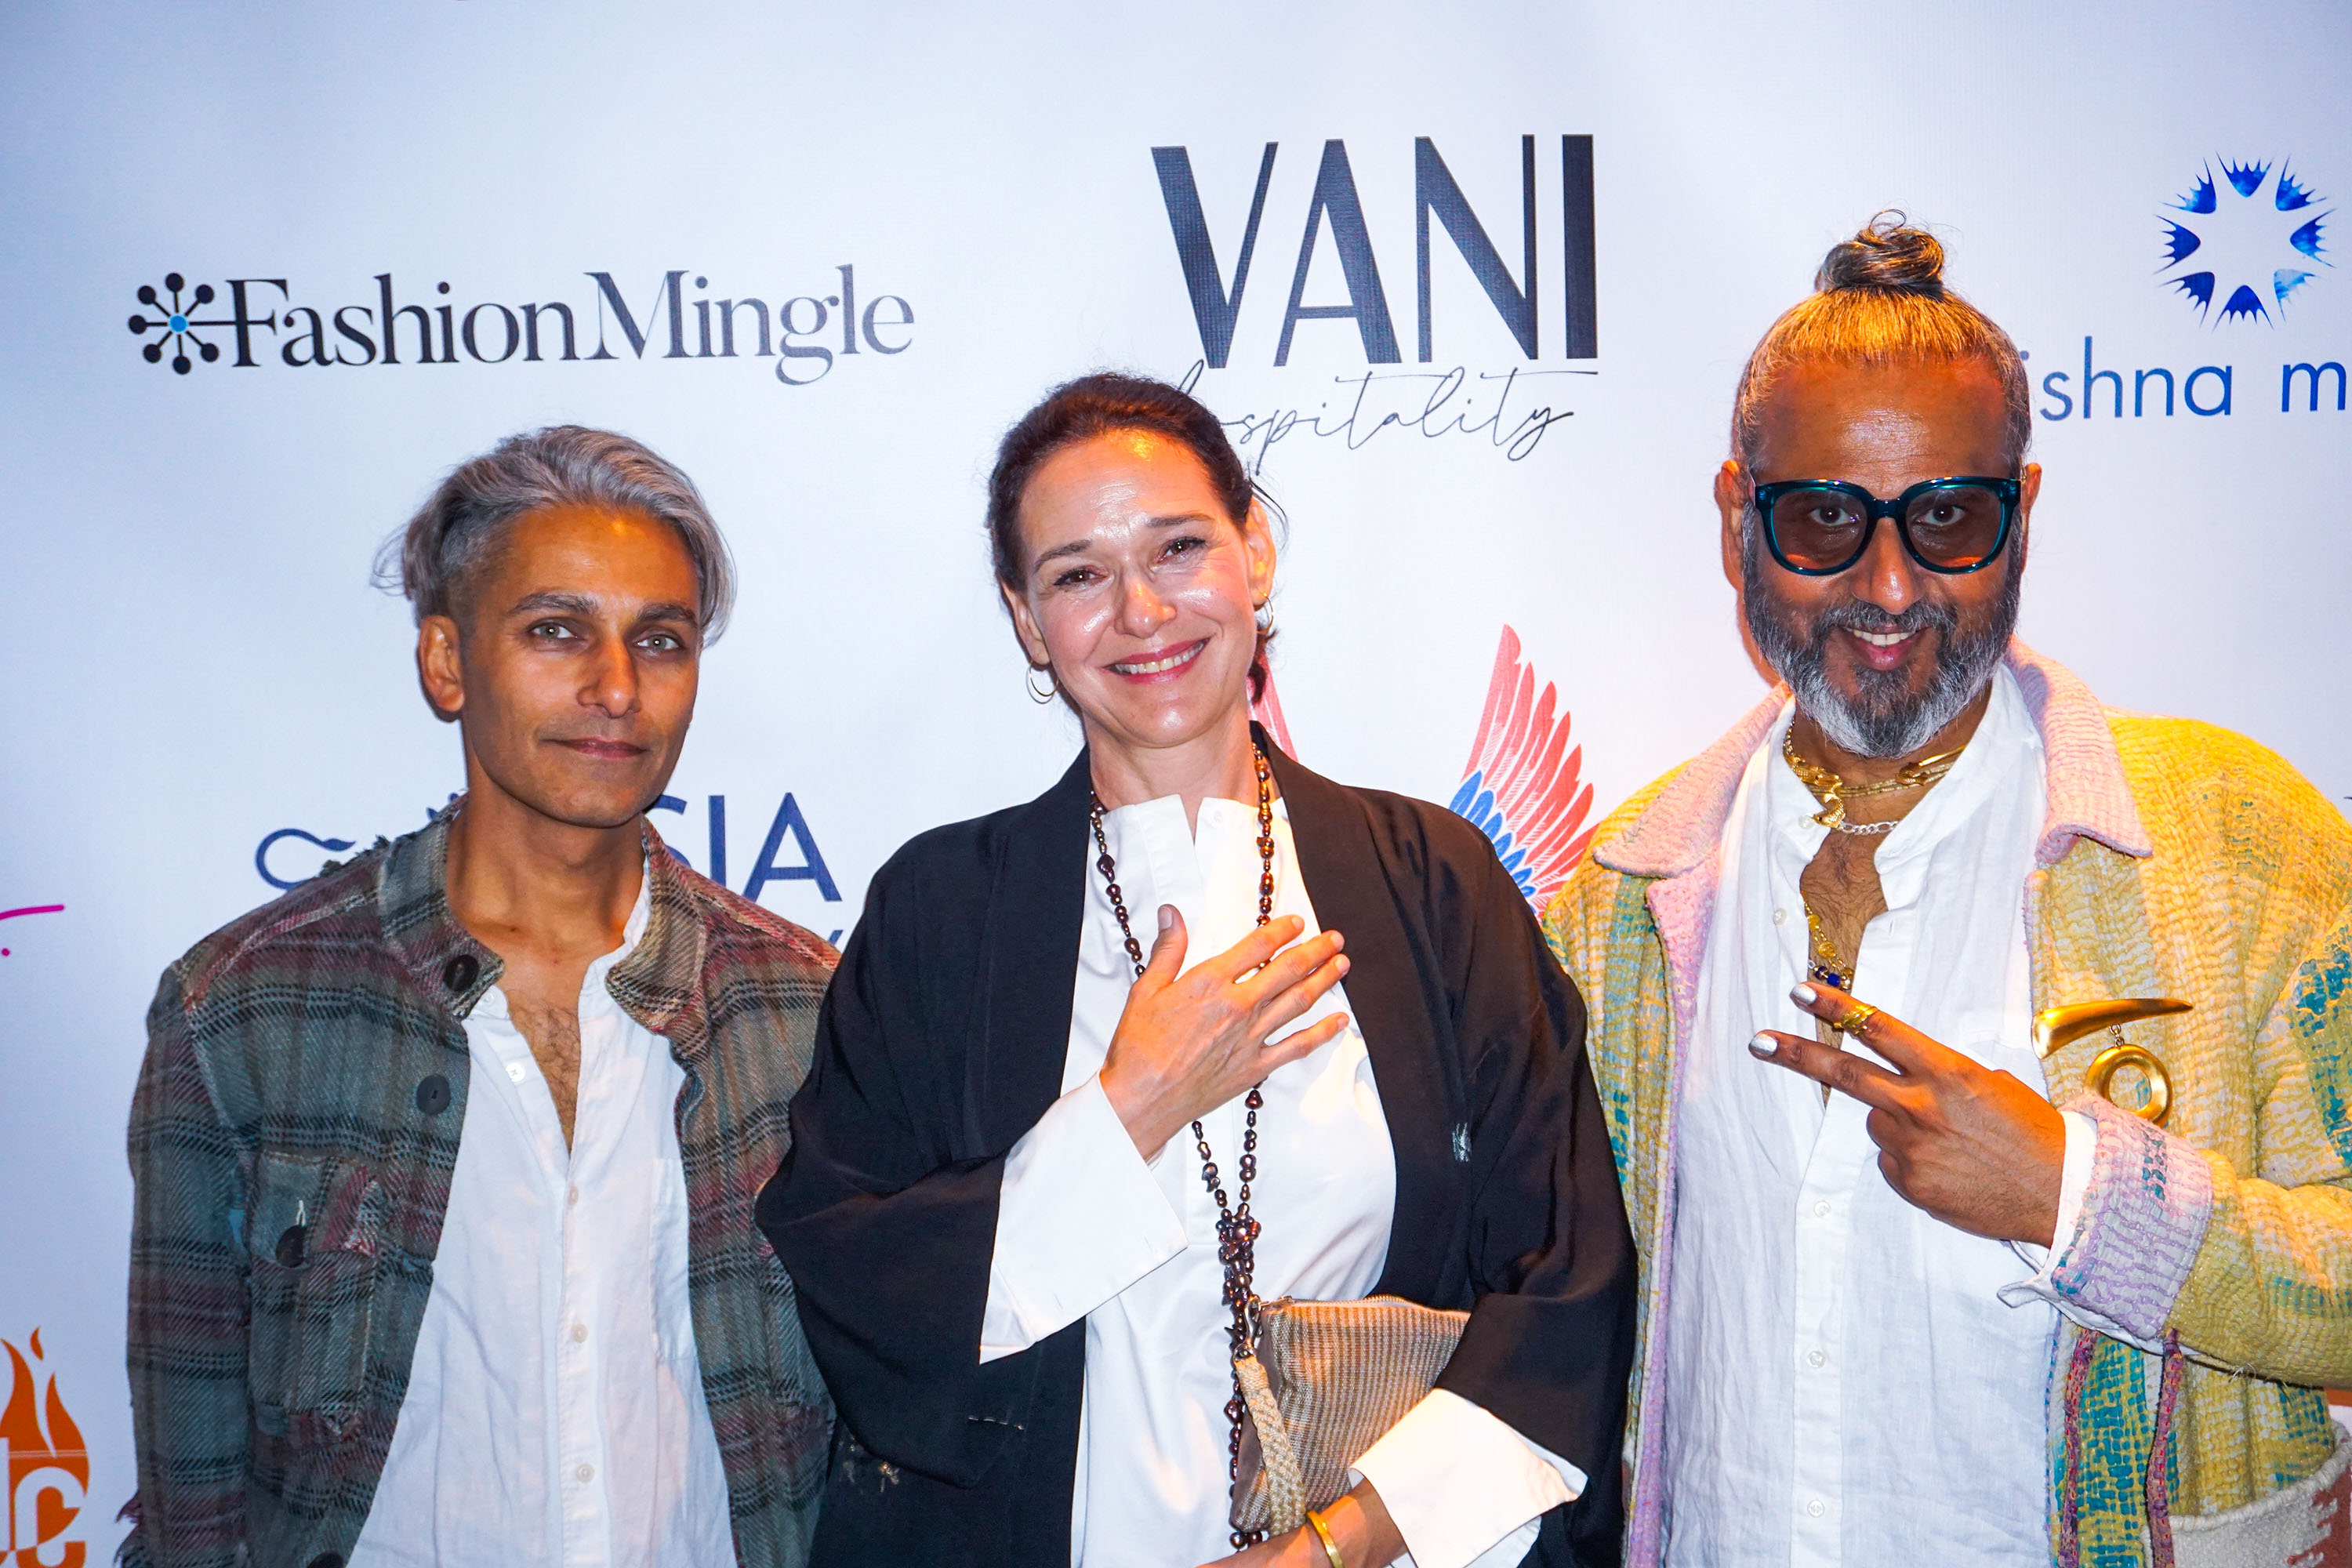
(1971, 1145)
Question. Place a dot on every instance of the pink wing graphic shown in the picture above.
(1518, 789)
(1266, 709)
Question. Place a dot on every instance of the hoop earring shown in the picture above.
(1265, 618)
(1053, 687)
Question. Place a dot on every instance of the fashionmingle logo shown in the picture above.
(259, 320)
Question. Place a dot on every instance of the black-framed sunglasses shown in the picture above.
(1818, 528)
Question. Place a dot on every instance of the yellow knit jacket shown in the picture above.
(2177, 859)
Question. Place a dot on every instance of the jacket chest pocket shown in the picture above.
(312, 1233)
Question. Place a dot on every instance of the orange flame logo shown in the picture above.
(48, 1468)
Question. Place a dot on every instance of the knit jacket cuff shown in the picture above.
(2143, 1221)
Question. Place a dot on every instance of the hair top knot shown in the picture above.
(1887, 254)
(1879, 299)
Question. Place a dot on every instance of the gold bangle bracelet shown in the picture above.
(1323, 1533)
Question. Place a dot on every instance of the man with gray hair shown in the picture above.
(443, 1251)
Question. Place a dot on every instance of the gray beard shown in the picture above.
(1885, 720)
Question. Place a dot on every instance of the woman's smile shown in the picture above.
(1160, 664)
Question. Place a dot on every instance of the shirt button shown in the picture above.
(573, 1196)
(460, 972)
(1779, 916)
(587, 1473)
(514, 1072)
(1813, 1358)
(579, 1337)
(1816, 1507)
(1821, 1209)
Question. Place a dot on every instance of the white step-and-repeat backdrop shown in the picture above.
(1470, 283)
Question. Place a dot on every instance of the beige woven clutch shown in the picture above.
(1328, 1380)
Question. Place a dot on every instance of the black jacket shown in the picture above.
(943, 1040)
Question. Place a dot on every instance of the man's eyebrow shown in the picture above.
(586, 605)
(554, 601)
(1078, 546)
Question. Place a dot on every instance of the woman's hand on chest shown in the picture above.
(1188, 1041)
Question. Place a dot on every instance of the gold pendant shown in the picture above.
(2124, 1054)
(2061, 1026)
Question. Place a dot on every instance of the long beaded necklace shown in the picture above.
(1237, 1228)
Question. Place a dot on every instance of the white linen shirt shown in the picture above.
(554, 1417)
(1087, 1228)
(1845, 1382)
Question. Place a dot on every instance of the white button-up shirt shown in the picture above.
(1845, 1383)
(554, 1413)
(1087, 1228)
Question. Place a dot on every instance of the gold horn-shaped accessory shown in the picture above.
(2064, 1024)
(2069, 1021)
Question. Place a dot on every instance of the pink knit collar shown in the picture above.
(2089, 797)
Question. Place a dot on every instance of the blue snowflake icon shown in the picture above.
(2254, 237)
(176, 323)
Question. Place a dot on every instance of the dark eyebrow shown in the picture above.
(1078, 546)
(560, 604)
(585, 607)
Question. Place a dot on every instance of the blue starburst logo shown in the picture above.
(176, 323)
(2248, 240)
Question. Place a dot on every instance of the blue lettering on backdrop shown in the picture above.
(811, 868)
(2287, 372)
(2189, 389)
(789, 823)
(270, 841)
(2153, 386)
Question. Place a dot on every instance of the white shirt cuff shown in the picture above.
(2074, 1183)
(1078, 1220)
(1465, 1488)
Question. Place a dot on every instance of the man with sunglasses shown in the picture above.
(1937, 1269)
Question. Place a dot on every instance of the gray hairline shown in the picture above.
(460, 527)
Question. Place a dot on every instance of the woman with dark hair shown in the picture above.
(1043, 1187)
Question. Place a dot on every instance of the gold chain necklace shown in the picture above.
(1823, 963)
(1833, 792)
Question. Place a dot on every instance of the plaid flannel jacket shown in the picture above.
(2176, 859)
(291, 1140)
